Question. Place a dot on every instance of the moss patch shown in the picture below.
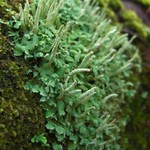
(134, 23)
(20, 113)
(145, 2)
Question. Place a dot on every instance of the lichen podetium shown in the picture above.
(80, 65)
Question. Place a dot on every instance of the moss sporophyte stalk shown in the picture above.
(80, 68)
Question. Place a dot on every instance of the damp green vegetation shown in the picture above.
(145, 2)
(107, 5)
(80, 66)
(139, 125)
(20, 114)
(134, 23)
(129, 18)
(136, 134)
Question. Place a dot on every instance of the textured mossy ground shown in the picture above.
(21, 116)
(135, 22)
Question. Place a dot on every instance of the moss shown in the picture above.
(108, 4)
(130, 15)
(117, 12)
(117, 4)
(137, 130)
(133, 22)
(20, 113)
(145, 2)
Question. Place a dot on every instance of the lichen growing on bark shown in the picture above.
(68, 94)
(134, 16)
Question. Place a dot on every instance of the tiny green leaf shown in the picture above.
(61, 106)
(49, 113)
(50, 125)
(57, 146)
(60, 130)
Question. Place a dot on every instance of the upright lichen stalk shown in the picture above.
(80, 64)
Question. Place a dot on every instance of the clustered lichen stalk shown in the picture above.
(81, 66)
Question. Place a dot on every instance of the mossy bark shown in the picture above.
(21, 116)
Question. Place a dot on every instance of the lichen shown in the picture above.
(136, 134)
(77, 44)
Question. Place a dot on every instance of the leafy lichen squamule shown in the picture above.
(76, 98)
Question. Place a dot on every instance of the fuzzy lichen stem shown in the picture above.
(85, 112)
(92, 90)
(86, 99)
(129, 63)
(54, 50)
(22, 18)
(125, 45)
(37, 16)
(85, 60)
(108, 97)
(26, 12)
(75, 71)
(71, 86)
(105, 57)
(53, 11)
(74, 92)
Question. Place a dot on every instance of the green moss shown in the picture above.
(137, 130)
(111, 14)
(129, 18)
(117, 4)
(130, 15)
(20, 113)
(108, 5)
(145, 2)
(132, 21)
(5, 10)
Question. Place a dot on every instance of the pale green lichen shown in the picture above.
(80, 63)
(135, 136)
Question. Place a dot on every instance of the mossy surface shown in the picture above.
(138, 129)
(134, 23)
(20, 113)
(131, 20)
(136, 134)
(60, 97)
(144, 2)
(107, 4)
